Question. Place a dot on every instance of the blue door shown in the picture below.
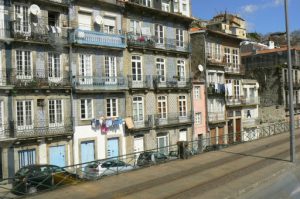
(87, 151)
(112, 147)
(57, 155)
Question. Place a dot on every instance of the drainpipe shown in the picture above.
(205, 82)
(191, 92)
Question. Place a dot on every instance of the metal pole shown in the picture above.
(291, 103)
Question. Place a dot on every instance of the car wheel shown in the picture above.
(32, 190)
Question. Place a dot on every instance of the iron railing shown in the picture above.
(250, 100)
(233, 101)
(139, 81)
(150, 41)
(162, 82)
(109, 39)
(233, 68)
(216, 89)
(100, 83)
(216, 116)
(172, 118)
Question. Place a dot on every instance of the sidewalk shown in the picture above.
(223, 174)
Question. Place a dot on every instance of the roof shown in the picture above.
(267, 51)
(197, 30)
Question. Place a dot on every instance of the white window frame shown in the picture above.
(159, 33)
(236, 88)
(164, 150)
(217, 52)
(235, 58)
(179, 37)
(22, 18)
(1, 116)
(85, 69)
(181, 70)
(58, 112)
(112, 107)
(162, 107)
(227, 55)
(54, 67)
(147, 3)
(165, 6)
(135, 27)
(110, 65)
(182, 106)
(198, 118)
(209, 50)
(107, 27)
(161, 69)
(27, 116)
(138, 108)
(136, 68)
(88, 111)
(197, 90)
(24, 65)
(28, 160)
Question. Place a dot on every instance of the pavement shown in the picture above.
(234, 172)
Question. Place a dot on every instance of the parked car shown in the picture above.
(109, 167)
(215, 147)
(33, 178)
(173, 155)
(149, 158)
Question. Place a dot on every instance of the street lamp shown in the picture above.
(291, 104)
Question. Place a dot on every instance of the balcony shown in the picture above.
(161, 82)
(100, 83)
(148, 41)
(42, 128)
(250, 100)
(39, 33)
(6, 131)
(143, 123)
(233, 101)
(220, 61)
(87, 37)
(172, 119)
(216, 116)
(139, 82)
(250, 122)
(232, 68)
(216, 89)
(39, 79)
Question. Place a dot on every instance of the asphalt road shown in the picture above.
(233, 172)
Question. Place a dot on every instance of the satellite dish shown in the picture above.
(200, 67)
(35, 9)
(99, 20)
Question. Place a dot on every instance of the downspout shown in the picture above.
(191, 92)
(205, 83)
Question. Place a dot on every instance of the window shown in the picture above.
(135, 27)
(181, 70)
(184, 7)
(1, 115)
(86, 109)
(55, 112)
(110, 70)
(198, 118)
(146, 3)
(162, 143)
(235, 58)
(54, 66)
(182, 106)
(24, 114)
(220, 78)
(211, 77)
(24, 69)
(159, 34)
(208, 49)
(26, 157)
(22, 19)
(53, 18)
(138, 109)
(160, 68)
(236, 87)
(162, 107)
(227, 55)
(197, 92)
(136, 65)
(109, 24)
(217, 52)
(85, 69)
(179, 37)
(84, 21)
(111, 107)
(165, 6)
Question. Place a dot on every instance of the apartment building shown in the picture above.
(216, 47)
(157, 61)
(36, 83)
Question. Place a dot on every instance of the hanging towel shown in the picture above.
(53, 29)
(104, 128)
(229, 89)
(216, 88)
(97, 124)
(58, 29)
(108, 123)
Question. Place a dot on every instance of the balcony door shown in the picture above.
(110, 70)
(136, 64)
(160, 69)
(54, 70)
(85, 69)
(162, 143)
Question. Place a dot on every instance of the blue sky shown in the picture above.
(263, 16)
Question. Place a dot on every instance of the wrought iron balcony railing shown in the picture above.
(149, 41)
(250, 100)
(100, 83)
(109, 39)
(233, 101)
(146, 121)
(250, 122)
(233, 68)
(216, 116)
(216, 89)
(139, 81)
(172, 118)
(39, 127)
(39, 32)
(39, 79)
(162, 82)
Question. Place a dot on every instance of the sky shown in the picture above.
(262, 16)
